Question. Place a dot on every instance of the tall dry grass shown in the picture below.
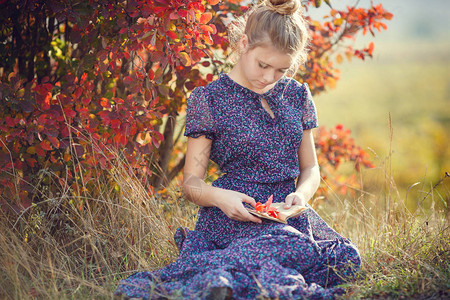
(405, 255)
(75, 246)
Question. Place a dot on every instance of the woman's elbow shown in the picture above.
(192, 187)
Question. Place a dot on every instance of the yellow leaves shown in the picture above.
(171, 26)
(143, 138)
(184, 58)
(331, 82)
(349, 55)
(339, 58)
(338, 22)
(316, 24)
(67, 157)
(31, 150)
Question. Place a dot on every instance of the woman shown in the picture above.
(256, 124)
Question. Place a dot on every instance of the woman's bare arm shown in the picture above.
(309, 178)
(194, 187)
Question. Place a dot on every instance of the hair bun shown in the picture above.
(283, 7)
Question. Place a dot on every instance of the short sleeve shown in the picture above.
(309, 113)
(199, 118)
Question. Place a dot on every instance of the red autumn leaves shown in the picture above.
(267, 208)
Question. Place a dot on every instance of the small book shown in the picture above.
(283, 214)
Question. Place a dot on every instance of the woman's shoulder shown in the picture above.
(293, 83)
(212, 94)
(213, 88)
(292, 87)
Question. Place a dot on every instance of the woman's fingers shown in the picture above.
(252, 218)
(248, 200)
(289, 201)
(248, 216)
(292, 199)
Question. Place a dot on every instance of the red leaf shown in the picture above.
(388, 16)
(105, 103)
(206, 17)
(127, 80)
(54, 141)
(269, 201)
(115, 124)
(69, 112)
(213, 28)
(259, 207)
(171, 34)
(213, 2)
(86, 101)
(151, 74)
(173, 15)
(45, 145)
(46, 104)
(31, 162)
(79, 150)
(206, 28)
(102, 162)
(77, 93)
(371, 46)
(120, 139)
(182, 13)
(10, 121)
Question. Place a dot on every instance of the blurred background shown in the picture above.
(397, 104)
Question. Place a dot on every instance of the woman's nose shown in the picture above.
(269, 76)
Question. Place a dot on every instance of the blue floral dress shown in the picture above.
(257, 154)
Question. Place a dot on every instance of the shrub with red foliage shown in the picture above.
(79, 78)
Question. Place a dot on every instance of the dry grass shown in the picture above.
(76, 246)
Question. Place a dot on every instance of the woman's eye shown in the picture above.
(262, 66)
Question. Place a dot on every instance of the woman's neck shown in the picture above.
(237, 75)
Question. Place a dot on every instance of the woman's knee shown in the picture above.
(350, 258)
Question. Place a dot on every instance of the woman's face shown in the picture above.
(263, 66)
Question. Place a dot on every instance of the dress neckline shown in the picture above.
(229, 81)
(268, 96)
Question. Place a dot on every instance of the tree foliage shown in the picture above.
(79, 78)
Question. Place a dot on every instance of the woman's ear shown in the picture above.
(243, 43)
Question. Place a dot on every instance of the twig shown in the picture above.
(446, 175)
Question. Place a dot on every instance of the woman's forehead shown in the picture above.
(273, 56)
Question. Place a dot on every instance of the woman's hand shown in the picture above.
(230, 202)
(294, 198)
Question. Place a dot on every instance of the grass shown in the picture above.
(79, 245)
(74, 246)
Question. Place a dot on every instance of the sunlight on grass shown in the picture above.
(76, 246)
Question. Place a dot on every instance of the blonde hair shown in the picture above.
(279, 22)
